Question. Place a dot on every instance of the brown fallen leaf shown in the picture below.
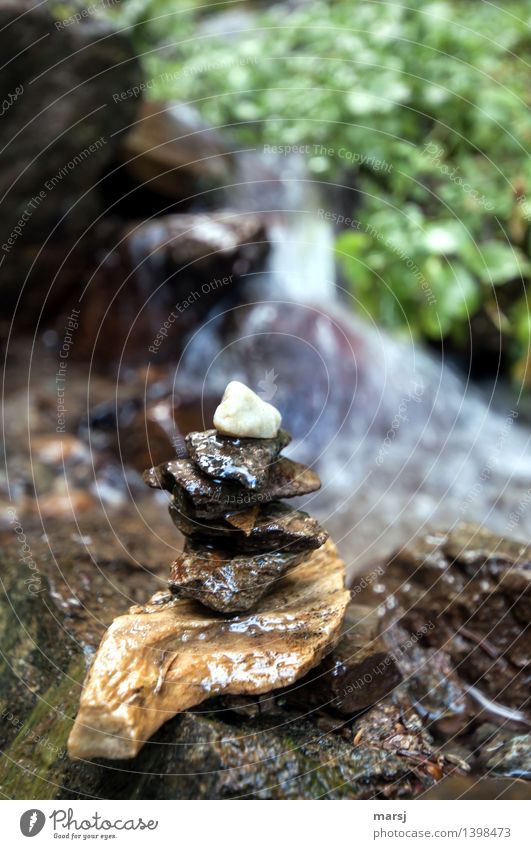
(164, 658)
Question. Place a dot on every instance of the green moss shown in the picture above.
(32, 765)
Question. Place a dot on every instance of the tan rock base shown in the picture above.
(164, 658)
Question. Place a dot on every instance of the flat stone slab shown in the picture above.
(203, 498)
(163, 658)
(227, 581)
(227, 458)
(276, 528)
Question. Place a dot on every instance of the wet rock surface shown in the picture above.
(151, 665)
(227, 582)
(471, 787)
(159, 279)
(61, 103)
(245, 461)
(452, 609)
(204, 498)
(432, 683)
(359, 672)
(284, 757)
(264, 747)
(469, 592)
(276, 527)
(510, 757)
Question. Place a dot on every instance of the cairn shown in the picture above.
(226, 500)
(256, 598)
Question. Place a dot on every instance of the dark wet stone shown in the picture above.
(204, 259)
(359, 672)
(511, 758)
(205, 755)
(430, 681)
(506, 562)
(391, 727)
(288, 479)
(174, 153)
(227, 581)
(468, 592)
(245, 461)
(201, 497)
(211, 756)
(174, 473)
(57, 138)
(276, 528)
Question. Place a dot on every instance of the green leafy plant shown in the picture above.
(421, 109)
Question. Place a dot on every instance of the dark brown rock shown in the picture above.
(430, 681)
(359, 672)
(227, 581)
(468, 593)
(170, 151)
(161, 659)
(159, 279)
(57, 137)
(288, 479)
(244, 461)
(507, 562)
(203, 498)
(392, 728)
(277, 528)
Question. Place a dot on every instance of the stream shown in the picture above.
(402, 440)
(405, 445)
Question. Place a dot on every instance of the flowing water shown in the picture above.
(400, 439)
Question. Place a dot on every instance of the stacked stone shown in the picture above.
(227, 500)
(168, 655)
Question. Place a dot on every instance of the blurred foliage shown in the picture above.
(422, 108)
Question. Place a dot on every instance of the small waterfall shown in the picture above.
(401, 441)
(301, 261)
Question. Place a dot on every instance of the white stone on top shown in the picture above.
(243, 413)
